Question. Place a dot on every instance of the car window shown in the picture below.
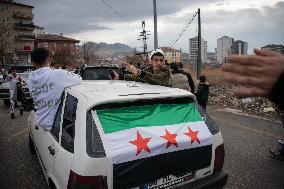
(94, 143)
(68, 125)
(56, 125)
(152, 107)
(98, 73)
(95, 74)
(24, 76)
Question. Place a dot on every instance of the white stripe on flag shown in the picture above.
(123, 151)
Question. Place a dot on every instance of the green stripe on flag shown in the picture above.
(118, 119)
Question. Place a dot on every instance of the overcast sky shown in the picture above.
(258, 22)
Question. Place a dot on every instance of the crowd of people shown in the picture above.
(262, 75)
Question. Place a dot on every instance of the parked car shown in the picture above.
(5, 87)
(119, 134)
(98, 72)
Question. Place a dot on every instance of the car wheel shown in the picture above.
(7, 102)
(31, 145)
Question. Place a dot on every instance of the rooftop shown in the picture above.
(51, 37)
(166, 49)
(15, 3)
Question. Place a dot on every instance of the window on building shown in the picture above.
(45, 44)
(54, 45)
(2, 7)
(65, 44)
(4, 20)
(68, 125)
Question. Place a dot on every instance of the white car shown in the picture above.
(121, 134)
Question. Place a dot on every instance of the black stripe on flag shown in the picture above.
(142, 171)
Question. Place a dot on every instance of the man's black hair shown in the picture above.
(174, 66)
(63, 67)
(157, 54)
(202, 79)
(39, 56)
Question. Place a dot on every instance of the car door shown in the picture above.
(65, 153)
(48, 141)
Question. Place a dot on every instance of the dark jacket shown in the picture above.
(163, 77)
(202, 92)
(190, 80)
(277, 93)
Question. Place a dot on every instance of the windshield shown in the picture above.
(24, 76)
(97, 73)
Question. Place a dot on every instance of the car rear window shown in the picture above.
(97, 73)
(148, 115)
(173, 109)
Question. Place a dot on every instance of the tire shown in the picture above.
(7, 102)
(31, 145)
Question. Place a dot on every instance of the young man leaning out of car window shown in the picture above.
(46, 86)
(156, 74)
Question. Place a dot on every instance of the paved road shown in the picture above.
(247, 141)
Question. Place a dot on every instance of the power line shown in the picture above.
(183, 30)
(117, 13)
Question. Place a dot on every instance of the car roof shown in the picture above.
(109, 91)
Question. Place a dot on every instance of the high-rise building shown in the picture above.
(275, 48)
(193, 50)
(240, 47)
(224, 48)
(18, 18)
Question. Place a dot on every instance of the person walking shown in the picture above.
(16, 93)
(202, 92)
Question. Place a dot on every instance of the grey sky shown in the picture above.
(259, 22)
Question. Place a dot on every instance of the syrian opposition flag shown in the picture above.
(153, 135)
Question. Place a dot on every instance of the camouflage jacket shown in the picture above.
(163, 77)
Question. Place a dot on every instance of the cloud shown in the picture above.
(259, 22)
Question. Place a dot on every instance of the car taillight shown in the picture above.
(219, 158)
(87, 182)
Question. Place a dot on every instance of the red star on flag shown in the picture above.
(193, 135)
(141, 143)
(171, 138)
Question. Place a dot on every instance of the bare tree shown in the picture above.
(6, 40)
(63, 57)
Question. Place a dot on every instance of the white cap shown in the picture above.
(155, 51)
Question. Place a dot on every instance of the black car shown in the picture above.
(99, 72)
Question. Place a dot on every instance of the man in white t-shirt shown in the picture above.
(46, 86)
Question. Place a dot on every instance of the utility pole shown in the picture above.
(155, 26)
(144, 36)
(198, 66)
(84, 53)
